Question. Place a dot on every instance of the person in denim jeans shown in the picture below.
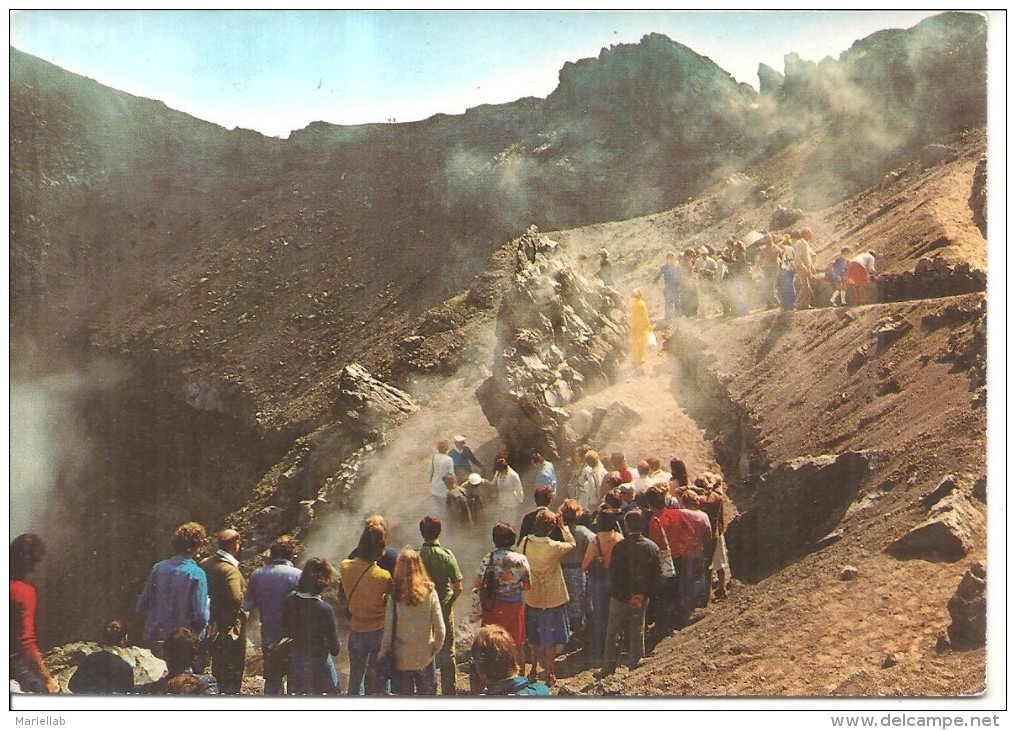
(417, 632)
(266, 593)
(366, 586)
(310, 622)
(443, 569)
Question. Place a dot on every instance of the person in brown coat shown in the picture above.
(228, 625)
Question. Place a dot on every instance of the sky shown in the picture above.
(277, 71)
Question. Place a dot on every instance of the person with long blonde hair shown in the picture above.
(414, 628)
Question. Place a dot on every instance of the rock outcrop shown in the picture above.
(321, 467)
(63, 661)
(968, 609)
(798, 504)
(559, 336)
(947, 534)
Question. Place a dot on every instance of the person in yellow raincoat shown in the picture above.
(640, 327)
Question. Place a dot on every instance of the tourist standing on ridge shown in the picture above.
(839, 274)
(463, 459)
(606, 270)
(176, 593)
(768, 262)
(804, 257)
(228, 626)
(788, 294)
(266, 593)
(634, 572)
(671, 274)
(641, 326)
(366, 586)
(443, 569)
(28, 670)
(690, 286)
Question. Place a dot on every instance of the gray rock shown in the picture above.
(63, 661)
(948, 534)
(968, 609)
(945, 487)
(849, 572)
(555, 330)
(936, 154)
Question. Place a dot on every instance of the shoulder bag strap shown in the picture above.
(356, 585)
(666, 542)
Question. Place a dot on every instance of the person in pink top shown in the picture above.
(671, 530)
(692, 577)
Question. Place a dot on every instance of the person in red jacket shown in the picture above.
(26, 665)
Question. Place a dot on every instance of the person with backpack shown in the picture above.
(496, 666)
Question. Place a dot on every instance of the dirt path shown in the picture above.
(665, 430)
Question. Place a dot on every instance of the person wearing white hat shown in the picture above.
(463, 458)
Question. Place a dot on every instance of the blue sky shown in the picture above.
(275, 71)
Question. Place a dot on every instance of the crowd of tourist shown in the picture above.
(775, 270)
(606, 565)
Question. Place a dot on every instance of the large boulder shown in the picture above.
(63, 661)
(559, 336)
(798, 504)
(947, 534)
(968, 609)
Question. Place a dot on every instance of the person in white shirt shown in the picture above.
(860, 270)
(508, 490)
(590, 480)
(440, 464)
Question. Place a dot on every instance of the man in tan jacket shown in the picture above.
(228, 625)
